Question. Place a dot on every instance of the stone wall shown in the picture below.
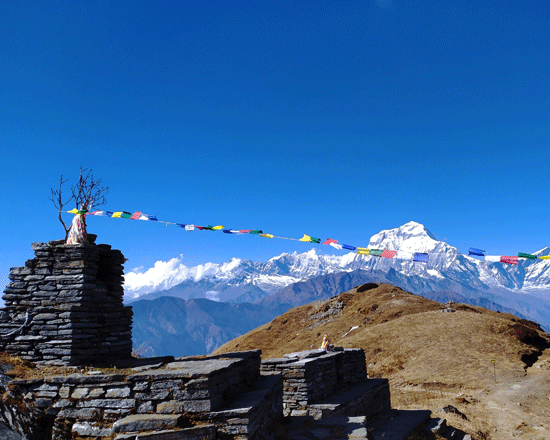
(309, 376)
(210, 397)
(65, 306)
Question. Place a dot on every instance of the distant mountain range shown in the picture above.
(289, 280)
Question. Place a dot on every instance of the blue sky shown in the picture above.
(332, 118)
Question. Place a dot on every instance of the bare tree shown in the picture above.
(87, 192)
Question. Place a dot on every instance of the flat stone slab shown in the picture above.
(147, 422)
(203, 432)
(305, 354)
(203, 367)
(399, 427)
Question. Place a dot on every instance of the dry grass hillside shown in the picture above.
(432, 358)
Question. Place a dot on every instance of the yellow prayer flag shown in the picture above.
(117, 214)
(545, 257)
(266, 235)
(73, 211)
(217, 228)
(362, 251)
(305, 238)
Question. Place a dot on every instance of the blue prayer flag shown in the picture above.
(347, 246)
(474, 251)
(421, 257)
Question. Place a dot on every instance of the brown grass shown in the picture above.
(431, 358)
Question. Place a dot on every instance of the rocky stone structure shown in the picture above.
(65, 306)
(321, 384)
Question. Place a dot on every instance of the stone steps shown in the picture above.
(335, 428)
(159, 427)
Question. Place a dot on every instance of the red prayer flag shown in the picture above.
(329, 241)
(244, 231)
(388, 254)
(135, 215)
(200, 228)
(509, 260)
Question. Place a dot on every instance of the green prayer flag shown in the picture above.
(125, 214)
(375, 252)
(255, 231)
(531, 257)
(315, 240)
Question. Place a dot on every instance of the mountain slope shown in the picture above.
(432, 358)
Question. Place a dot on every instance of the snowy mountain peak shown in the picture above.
(411, 237)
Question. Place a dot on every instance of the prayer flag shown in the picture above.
(121, 214)
(305, 238)
(545, 257)
(492, 258)
(181, 225)
(362, 251)
(189, 227)
(509, 260)
(347, 246)
(244, 231)
(266, 235)
(73, 211)
(474, 251)
(147, 217)
(404, 255)
(529, 256)
(96, 213)
(217, 228)
(376, 252)
(336, 246)
(421, 257)
(135, 215)
(109, 213)
(388, 254)
(234, 231)
(329, 241)
(310, 239)
(200, 228)
(315, 240)
(227, 231)
(256, 231)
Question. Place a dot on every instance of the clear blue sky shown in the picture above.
(331, 118)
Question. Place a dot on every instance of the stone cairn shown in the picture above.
(65, 307)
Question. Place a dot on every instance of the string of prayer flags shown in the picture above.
(421, 257)
(529, 256)
(388, 254)
(509, 260)
(309, 239)
(121, 214)
(474, 251)
(77, 211)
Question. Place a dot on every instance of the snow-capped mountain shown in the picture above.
(525, 287)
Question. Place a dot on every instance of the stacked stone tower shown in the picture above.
(65, 306)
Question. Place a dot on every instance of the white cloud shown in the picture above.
(163, 275)
(212, 295)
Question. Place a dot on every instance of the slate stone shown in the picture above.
(147, 422)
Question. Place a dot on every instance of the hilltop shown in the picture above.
(433, 355)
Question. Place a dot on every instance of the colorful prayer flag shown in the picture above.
(189, 227)
(349, 247)
(388, 253)
(509, 260)
(109, 213)
(135, 215)
(181, 225)
(73, 211)
(529, 256)
(244, 231)
(267, 235)
(121, 214)
(329, 241)
(474, 251)
(336, 246)
(376, 252)
(545, 257)
(305, 238)
(362, 251)
(200, 228)
(421, 257)
(256, 231)
(217, 228)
